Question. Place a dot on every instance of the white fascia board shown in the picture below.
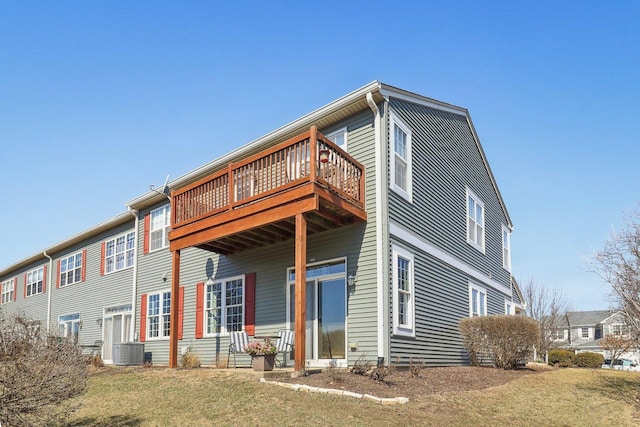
(401, 233)
(394, 92)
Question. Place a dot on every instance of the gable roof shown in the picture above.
(589, 318)
(323, 117)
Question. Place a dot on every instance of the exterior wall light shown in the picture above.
(352, 279)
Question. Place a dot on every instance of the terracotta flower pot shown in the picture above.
(263, 362)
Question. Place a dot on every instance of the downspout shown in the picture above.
(48, 293)
(134, 284)
(380, 231)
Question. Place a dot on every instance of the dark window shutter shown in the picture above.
(250, 303)
(15, 289)
(199, 309)
(102, 254)
(180, 311)
(25, 285)
(44, 279)
(147, 226)
(84, 265)
(58, 275)
(143, 318)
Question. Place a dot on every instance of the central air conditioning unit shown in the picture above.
(128, 353)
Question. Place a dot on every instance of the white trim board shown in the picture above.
(417, 241)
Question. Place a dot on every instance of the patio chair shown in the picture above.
(284, 345)
(239, 340)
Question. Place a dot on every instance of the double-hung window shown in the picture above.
(477, 301)
(159, 315)
(559, 334)
(506, 248)
(584, 333)
(475, 221)
(159, 227)
(119, 252)
(339, 137)
(403, 292)
(401, 175)
(224, 305)
(69, 325)
(71, 269)
(509, 307)
(8, 291)
(34, 282)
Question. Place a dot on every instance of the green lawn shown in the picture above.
(201, 397)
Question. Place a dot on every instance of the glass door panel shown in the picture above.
(331, 319)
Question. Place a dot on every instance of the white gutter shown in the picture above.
(50, 291)
(134, 284)
(380, 187)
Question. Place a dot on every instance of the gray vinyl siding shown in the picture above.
(441, 300)
(356, 243)
(89, 298)
(34, 306)
(445, 162)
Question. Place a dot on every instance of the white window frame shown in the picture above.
(8, 289)
(406, 193)
(339, 132)
(161, 226)
(70, 325)
(506, 248)
(479, 306)
(622, 331)
(223, 308)
(112, 253)
(163, 315)
(582, 332)
(75, 272)
(509, 307)
(35, 282)
(406, 328)
(476, 235)
(556, 335)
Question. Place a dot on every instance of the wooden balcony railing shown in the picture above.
(273, 171)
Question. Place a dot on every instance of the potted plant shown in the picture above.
(263, 355)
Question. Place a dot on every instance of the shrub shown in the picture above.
(562, 358)
(190, 359)
(39, 373)
(361, 366)
(588, 359)
(505, 340)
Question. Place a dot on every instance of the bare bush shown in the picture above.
(190, 359)
(415, 368)
(361, 366)
(506, 340)
(39, 373)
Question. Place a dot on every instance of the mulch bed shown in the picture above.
(401, 383)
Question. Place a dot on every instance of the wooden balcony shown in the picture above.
(254, 202)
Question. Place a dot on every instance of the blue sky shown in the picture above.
(98, 101)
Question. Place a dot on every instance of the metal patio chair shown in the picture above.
(239, 340)
(284, 345)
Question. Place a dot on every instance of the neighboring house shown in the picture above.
(582, 331)
(370, 227)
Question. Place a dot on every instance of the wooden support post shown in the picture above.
(300, 351)
(175, 295)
